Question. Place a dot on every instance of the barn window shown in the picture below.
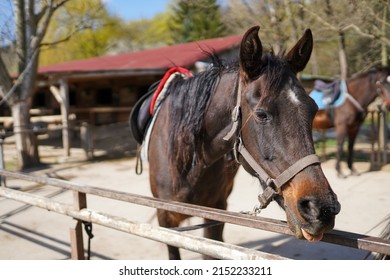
(39, 100)
(72, 98)
(104, 96)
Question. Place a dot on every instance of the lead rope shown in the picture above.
(138, 163)
(88, 230)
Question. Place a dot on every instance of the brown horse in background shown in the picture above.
(347, 118)
(259, 110)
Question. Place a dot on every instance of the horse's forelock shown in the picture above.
(273, 70)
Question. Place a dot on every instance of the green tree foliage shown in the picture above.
(82, 29)
(147, 33)
(195, 20)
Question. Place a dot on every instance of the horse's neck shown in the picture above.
(366, 94)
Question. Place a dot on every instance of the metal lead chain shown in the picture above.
(255, 212)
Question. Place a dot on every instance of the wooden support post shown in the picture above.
(373, 140)
(2, 164)
(86, 135)
(64, 90)
(76, 231)
(76, 241)
(61, 94)
(382, 142)
(380, 138)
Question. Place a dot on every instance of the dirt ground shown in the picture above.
(33, 233)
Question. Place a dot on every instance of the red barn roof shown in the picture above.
(160, 58)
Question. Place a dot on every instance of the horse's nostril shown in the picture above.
(311, 208)
(308, 209)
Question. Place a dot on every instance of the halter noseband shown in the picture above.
(272, 186)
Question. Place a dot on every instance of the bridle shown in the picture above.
(272, 186)
(380, 91)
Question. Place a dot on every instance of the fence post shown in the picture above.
(373, 140)
(76, 231)
(384, 136)
(380, 139)
(2, 165)
(87, 139)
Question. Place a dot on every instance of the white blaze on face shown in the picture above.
(292, 95)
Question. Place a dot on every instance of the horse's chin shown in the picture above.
(310, 237)
(306, 234)
(303, 234)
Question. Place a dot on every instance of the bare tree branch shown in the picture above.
(318, 17)
(377, 36)
(82, 27)
(42, 26)
(376, 17)
(358, 30)
(7, 97)
(44, 19)
(5, 79)
(370, 35)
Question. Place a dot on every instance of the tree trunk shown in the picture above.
(343, 57)
(384, 56)
(31, 22)
(25, 138)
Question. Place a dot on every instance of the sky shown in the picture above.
(136, 9)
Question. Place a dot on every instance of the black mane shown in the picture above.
(188, 103)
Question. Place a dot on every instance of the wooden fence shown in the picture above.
(81, 213)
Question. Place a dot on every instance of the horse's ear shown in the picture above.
(250, 53)
(299, 55)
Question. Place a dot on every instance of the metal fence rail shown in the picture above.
(348, 239)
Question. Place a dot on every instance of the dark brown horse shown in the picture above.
(258, 109)
(348, 117)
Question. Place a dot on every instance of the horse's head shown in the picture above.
(276, 129)
(383, 87)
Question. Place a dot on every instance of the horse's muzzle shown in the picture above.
(386, 105)
(318, 217)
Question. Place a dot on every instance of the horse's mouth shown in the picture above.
(301, 233)
(312, 232)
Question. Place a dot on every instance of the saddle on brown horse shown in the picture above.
(331, 91)
(143, 111)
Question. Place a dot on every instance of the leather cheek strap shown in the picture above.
(274, 186)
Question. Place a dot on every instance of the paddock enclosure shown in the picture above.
(118, 202)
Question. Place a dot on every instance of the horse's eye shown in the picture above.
(262, 116)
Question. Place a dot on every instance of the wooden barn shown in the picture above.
(101, 91)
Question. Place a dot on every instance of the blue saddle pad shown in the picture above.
(318, 97)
